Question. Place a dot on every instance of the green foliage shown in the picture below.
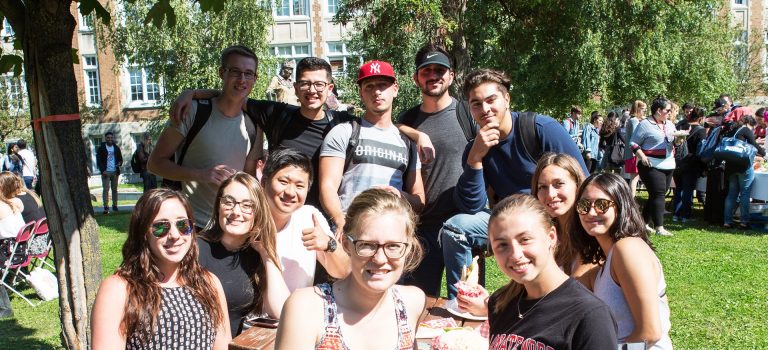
(89, 6)
(595, 53)
(186, 55)
(11, 63)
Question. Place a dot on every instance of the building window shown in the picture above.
(333, 7)
(142, 87)
(14, 92)
(86, 23)
(740, 2)
(92, 86)
(7, 29)
(340, 58)
(291, 51)
(96, 141)
(288, 8)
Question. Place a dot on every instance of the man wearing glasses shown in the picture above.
(210, 158)
(300, 127)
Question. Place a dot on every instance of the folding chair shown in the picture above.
(40, 244)
(18, 259)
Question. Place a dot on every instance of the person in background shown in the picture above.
(611, 138)
(762, 121)
(109, 159)
(366, 306)
(741, 176)
(637, 113)
(590, 137)
(11, 221)
(689, 168)
(238, 246)
(145, 149)
(540, 304)
(29, 163)
(12, 161)
(160, 297)
(280, 88)
(609, 231)
(653, 142)
(572, 126)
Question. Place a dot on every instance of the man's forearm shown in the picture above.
(170, 170)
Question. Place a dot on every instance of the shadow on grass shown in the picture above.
(16, 336)
(115, 221)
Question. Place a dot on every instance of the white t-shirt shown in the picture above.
(297, 262)
(10, 225)
(111, 158)
(30, 162)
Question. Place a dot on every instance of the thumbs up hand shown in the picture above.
(313, 237)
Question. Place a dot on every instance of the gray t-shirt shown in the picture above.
(441, 175)
(382, 157)
(222, 140)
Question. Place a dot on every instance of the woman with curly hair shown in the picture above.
(160, 297)
(609, 231)
(239, 246)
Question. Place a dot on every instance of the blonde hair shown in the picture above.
(10, 186)
(565, 253)
(635, 110)
(377, 201)
(534, 211)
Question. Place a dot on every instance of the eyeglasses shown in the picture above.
(304, 85)
(161, 228)
(667, 110)
(236, 73)
(601, 205)
(229, 203)
(367, 249)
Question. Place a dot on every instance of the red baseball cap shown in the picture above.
(375, 68)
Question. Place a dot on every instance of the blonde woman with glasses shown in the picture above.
(365, 310)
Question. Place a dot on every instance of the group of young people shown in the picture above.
(194, 272)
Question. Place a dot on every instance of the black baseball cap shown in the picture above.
(434, 57)
(720, 102)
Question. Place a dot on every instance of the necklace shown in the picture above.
(520, 315)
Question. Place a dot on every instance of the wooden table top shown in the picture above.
(258, 338)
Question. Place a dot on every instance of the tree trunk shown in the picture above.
(453, 11)
(49, 27)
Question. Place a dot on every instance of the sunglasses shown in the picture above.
(161, 228)
(601, 205)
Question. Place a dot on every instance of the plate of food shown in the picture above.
(460, 339)
(453, 307)
(433, 328)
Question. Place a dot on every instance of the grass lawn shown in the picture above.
(716, 282)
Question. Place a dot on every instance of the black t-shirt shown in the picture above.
(570, 317)
(233, 270)
(284, 126)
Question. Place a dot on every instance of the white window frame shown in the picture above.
(91, 68)
(14, 87)
(96, 141)
(291, 8)
(292, 55)
(7, 30)
(337, 4)
(145, 82)
(744, 4)
(85, 23)
(344, 55)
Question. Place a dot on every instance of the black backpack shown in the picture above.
(135, 163)
(202, 114)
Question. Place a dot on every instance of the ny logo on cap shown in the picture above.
(375, 68)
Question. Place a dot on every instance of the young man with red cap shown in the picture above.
(383, 156)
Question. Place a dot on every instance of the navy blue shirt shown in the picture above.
(507, 168)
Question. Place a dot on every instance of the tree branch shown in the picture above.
(14, 11)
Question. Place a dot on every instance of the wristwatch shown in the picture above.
(331, 246)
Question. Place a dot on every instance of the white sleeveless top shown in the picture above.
(10, 225)
(610, 293)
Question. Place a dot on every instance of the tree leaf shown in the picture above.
(89, 6)
(212, 5)
(8, 62)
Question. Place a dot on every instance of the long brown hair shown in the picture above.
(565, 254)
(140, 270)
(535, 211)
(263, 229)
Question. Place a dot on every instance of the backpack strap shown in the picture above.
(354, 140)
(467, 123)
(526, 121)
(204, 108)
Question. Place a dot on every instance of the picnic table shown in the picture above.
(259, 338)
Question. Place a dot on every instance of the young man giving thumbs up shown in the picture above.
(303, 235)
